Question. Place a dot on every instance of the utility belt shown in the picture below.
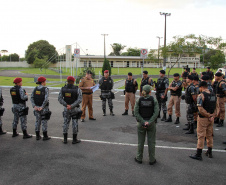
(109, 95)
(2, 111)
(175, 95)
(24, 111)
(75, 115)
(46, 115)
(87, 93)
(220, 95)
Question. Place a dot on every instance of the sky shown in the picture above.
(134, 23)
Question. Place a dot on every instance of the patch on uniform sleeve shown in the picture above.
(68, 95)
(38, 92)
(13, 93)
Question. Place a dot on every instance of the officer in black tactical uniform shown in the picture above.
(206, 78)
(161, 93)
(40, 103)
(1, 112)
(145, 81)
(190, 99)
(70, 97)
(106, 85)
(210, 74)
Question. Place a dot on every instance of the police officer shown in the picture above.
(196, 84)
(146, 112)
(19, 109)
(221, 92)
(70, 97)
(161, 93)
(131, 87)
(175, 90)
(85, 85)
(1, 112)
(190, 99)
(194, 73)
(210, 74)
(206, 78)
(185, 74)
(106, 85)
(40, 103)
(206, 103)
(146, 80)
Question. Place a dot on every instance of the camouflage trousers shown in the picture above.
(39, 120)
(162, 104)
(110, 103)
(190, 113)
(68, 116)
(23, 119)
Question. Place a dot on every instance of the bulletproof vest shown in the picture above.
(219, 91)
(39, 96)
(160, 86)
(178, 91)
(146, 107)
(107, 84)
(210, 74)
(194, 74)
(209, 103)
(144, 82)
(15, 94)
(215, 87)
(188, 95)
(70, 93)
(185, 74)
(130, 86)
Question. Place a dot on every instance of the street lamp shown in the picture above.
(104, 44)
(158, 50)
(165, 14)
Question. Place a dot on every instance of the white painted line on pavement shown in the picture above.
(127, 144)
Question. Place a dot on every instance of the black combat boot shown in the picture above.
(224, 142)
(133, 114)
(198, 155)
(111, 112)
(125, 113)
(26, 135)
(45, 136)
(65, 138)
(15, 133)
(177, 121)
(75, 140)
(169, 119)
(1, 131)
(159, 115)
(221, 123)
(209, 153)
(191, 130)
(188, 127)
(38, 137)
(104, 112)
(164, 117)
(216, 121)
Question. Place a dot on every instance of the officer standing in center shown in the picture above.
(146, 80)
(130, 91)
(40, 103)
(106, 85)
(19, 109)
(70, 97)
(1, 112)
(146, 112)
(161, 93)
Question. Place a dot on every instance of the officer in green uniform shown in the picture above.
(146, 112)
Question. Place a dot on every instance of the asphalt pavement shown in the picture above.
(106, 153)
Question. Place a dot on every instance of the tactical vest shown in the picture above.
(178, 91)
(15, 94)
(219, 90)
(130, 87)
(107, 84)
(215, 87)
(146, 107)
(210, 74)
(39, 96)
(160, 86)
(188, 96)
(70, 93)
(194, 74)
(144, 82)
(209, 103)
(185, 74)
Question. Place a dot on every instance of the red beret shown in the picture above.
(106, 71)
(41, 79)
(17, 80)
(70, 78)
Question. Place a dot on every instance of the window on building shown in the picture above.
(141, 63)
(137, 64)
(112, 63)
(127, 64)
(192, 55)
(134, 64)
(90, 64)
(85, 63)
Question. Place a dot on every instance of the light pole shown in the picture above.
(165, 14)
(104, 44)
(158, 50)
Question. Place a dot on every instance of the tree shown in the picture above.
(41, 49)
(117, 48)
(132, 52)
(14, 57)
(83, 73)
(41, 63)
(106, 66)
(214, 58)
